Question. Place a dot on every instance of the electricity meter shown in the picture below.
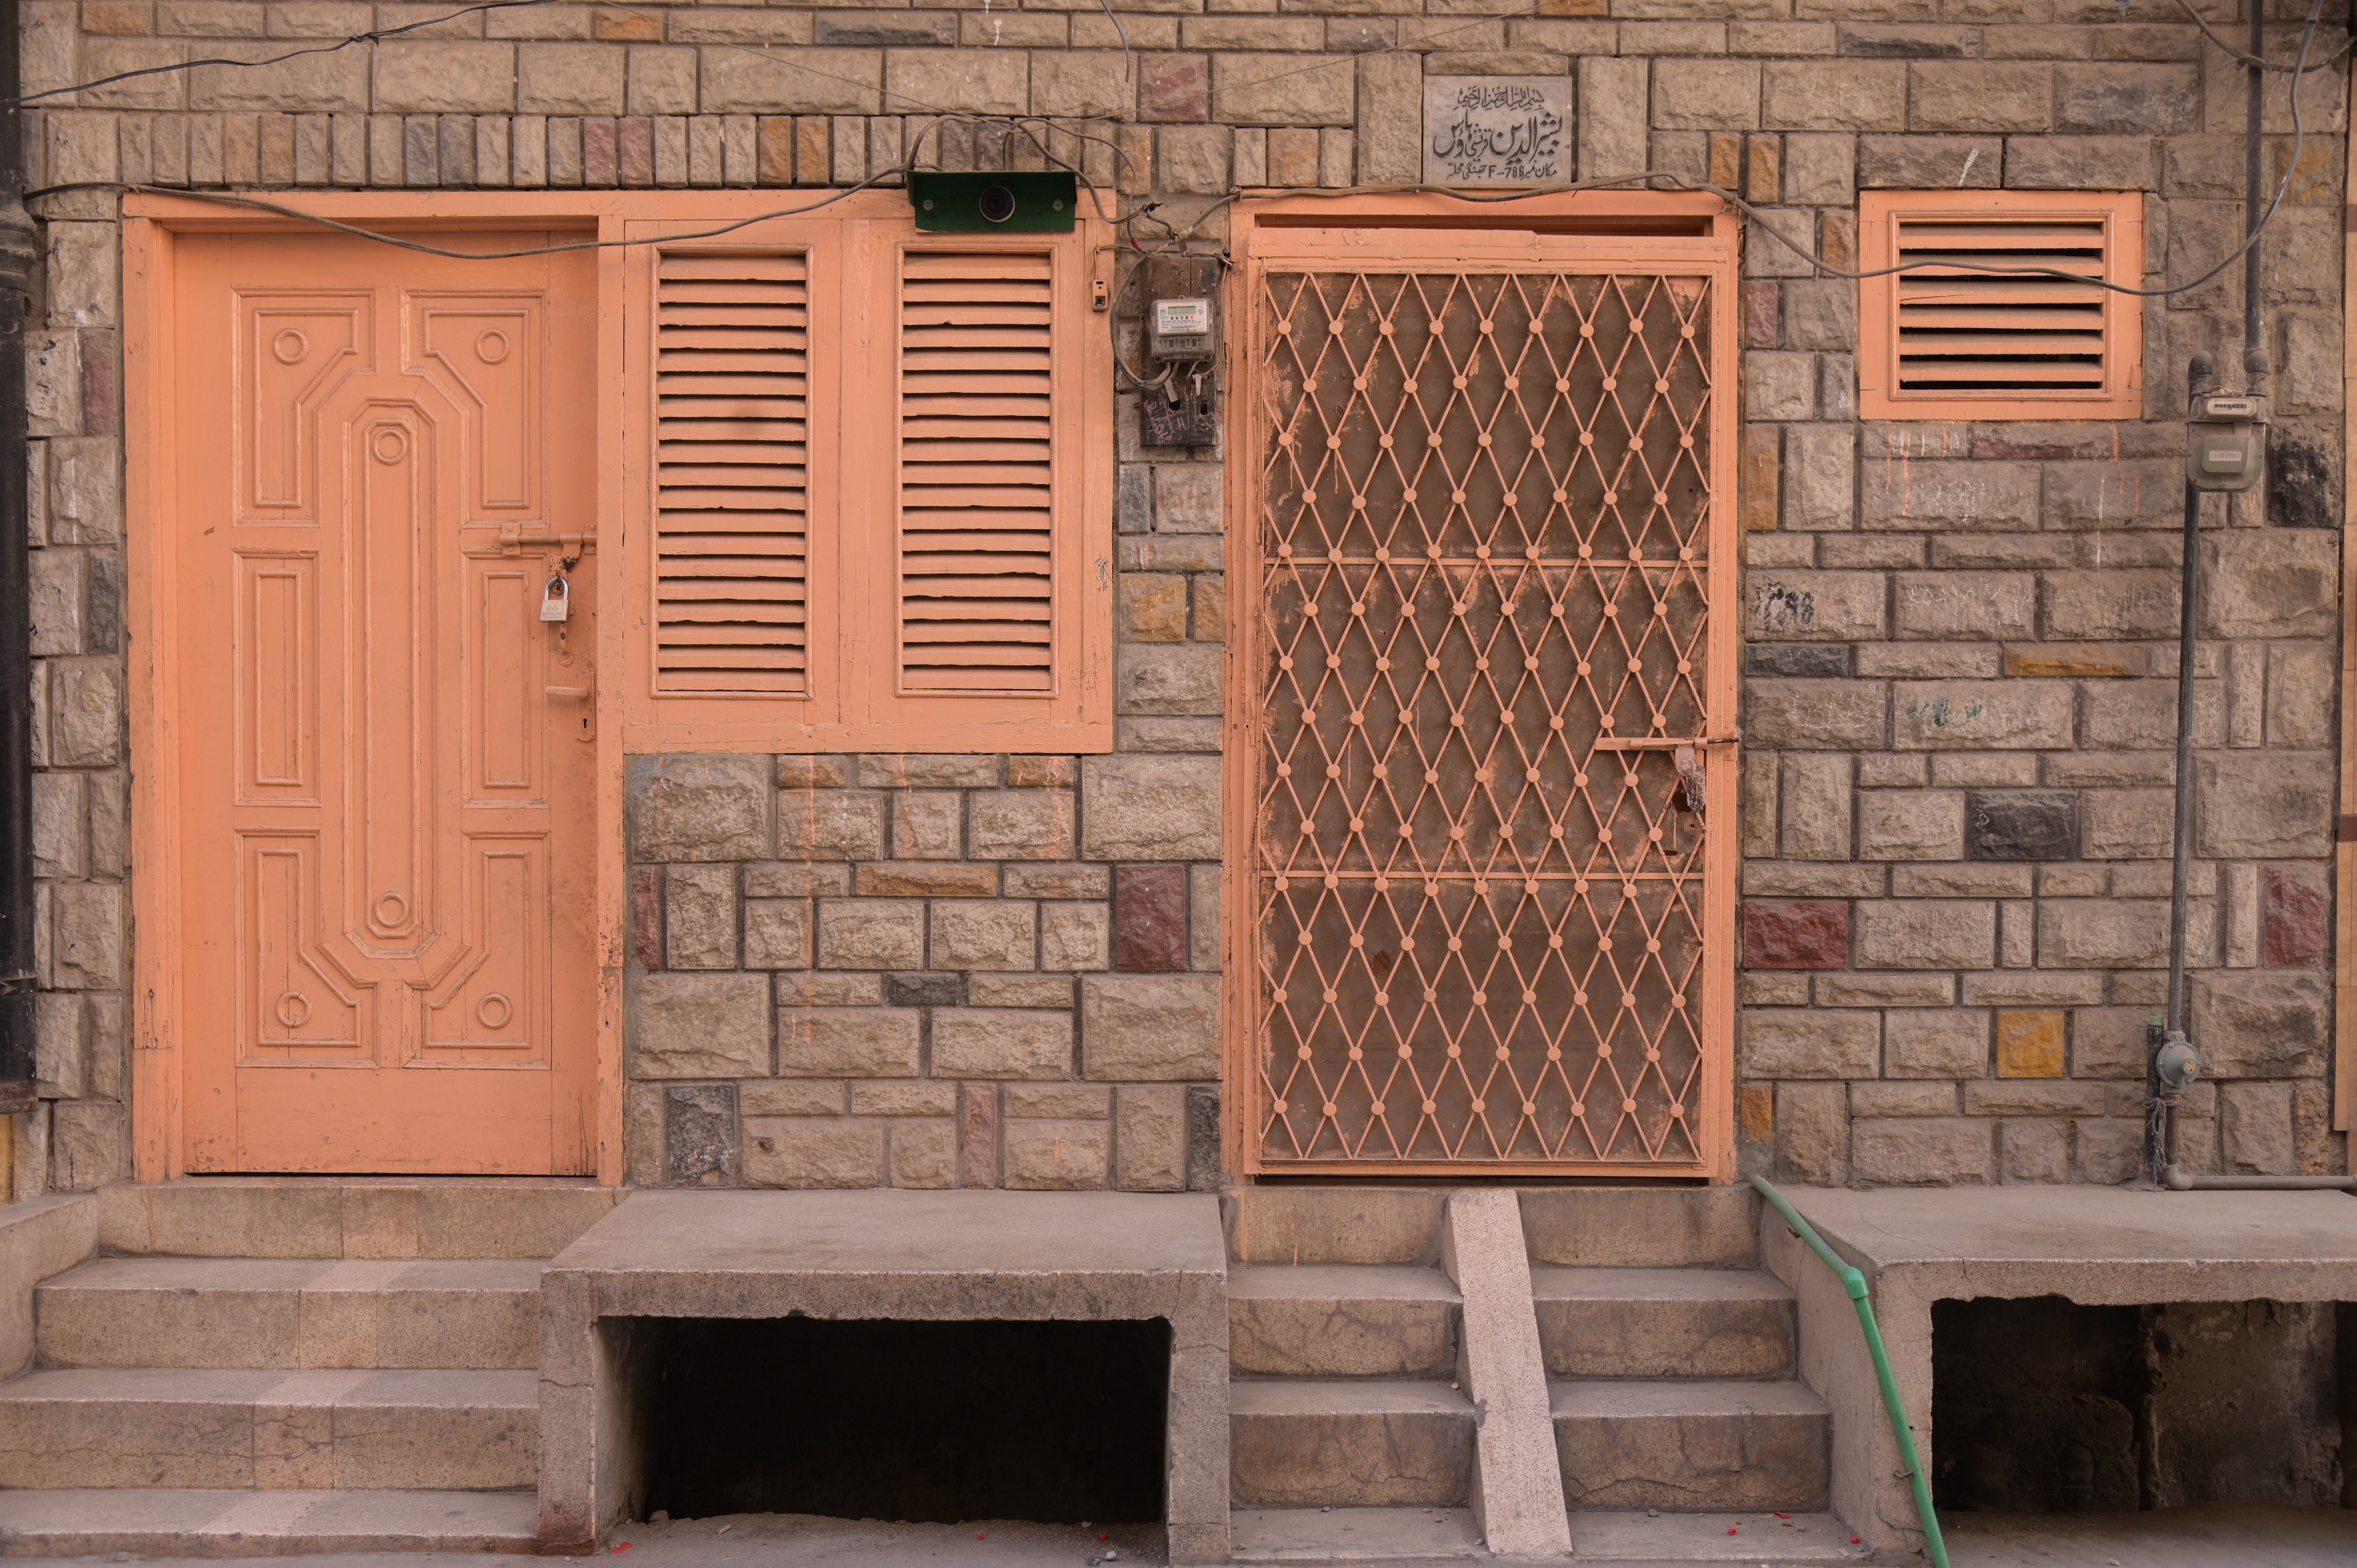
(2226, 441)
(1180, 329)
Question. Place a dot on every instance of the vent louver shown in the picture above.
(1972, 333)
(976, 469)
(732, 527)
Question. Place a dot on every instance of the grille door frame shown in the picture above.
(1627, 234)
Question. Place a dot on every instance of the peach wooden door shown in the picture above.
(386, 755)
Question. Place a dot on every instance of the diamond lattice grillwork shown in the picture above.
(1485, 512)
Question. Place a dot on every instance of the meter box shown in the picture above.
(1180, 329)
(2226, 441)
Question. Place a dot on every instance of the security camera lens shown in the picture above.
(997, 203)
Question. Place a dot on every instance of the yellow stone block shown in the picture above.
(2030, 1044)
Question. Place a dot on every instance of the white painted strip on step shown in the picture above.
(1517, 1479)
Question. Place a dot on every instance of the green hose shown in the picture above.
(1855, 1283)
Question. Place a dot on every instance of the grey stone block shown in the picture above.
(700, 1134)
(2041, 825)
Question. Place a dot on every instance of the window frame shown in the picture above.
(1880, 213)
(853, 702)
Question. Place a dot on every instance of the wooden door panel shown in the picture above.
(388, 891)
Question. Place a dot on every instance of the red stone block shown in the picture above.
(978, 1135)
(1176, 88)
(1795, 933)
(2296, 918)
(598, 164)
(646, 916)
(1149, 918)
(637, 151)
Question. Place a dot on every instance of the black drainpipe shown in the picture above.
(16, 976)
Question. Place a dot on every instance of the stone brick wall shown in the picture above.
(925, 972)
(1958, 699)
(80, 1135)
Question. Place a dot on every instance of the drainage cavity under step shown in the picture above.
(1055, 1422)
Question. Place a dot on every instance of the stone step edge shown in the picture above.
(172, 1522)
(1355, 1535)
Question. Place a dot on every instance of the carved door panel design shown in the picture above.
(386, 760)
(1489, 695)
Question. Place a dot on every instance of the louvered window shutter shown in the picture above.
(978, 471)
(1945, 340)
(867, 499)
(732, 390)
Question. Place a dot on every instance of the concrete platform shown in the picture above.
(2088, 1244)
(851, 1255)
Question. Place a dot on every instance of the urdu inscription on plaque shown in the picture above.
(1496, 130)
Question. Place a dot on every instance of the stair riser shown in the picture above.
(1667, 1338)
(262, 1524)
(1280, 1336)
(1391, 1460)
(1695, 1463)
(87, 1543)
(1331, 1225)
(1642, 1227)
(312, 1218)
(469, 1330)
(109, 1442)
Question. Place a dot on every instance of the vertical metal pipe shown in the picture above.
(16, 968)
(2254, 356)
(2180, 877)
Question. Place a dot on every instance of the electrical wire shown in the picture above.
(1759, 216)
(368, 38)
(1174, 240)
(2244, 57)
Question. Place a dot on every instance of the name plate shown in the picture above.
(1497, 130)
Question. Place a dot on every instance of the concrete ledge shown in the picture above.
(2095, 1245)
(882, 1254)
(39, 1237)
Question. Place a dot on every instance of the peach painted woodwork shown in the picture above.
(870, 502)
(1942, 342)
(386, 757)
(1483, 742)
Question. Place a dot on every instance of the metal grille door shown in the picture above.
(1491, 860)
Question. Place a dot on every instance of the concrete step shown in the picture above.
(291, 1313)
(1643, 1227)
(177, 1523)
(1342, 1320)
(1311, 1443)
(1789, 1540)
(352, 1216)
(1692, 1446)
(455, 1431)
(1355, 1535)
(1665, 1323)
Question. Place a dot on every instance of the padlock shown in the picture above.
(556, 599)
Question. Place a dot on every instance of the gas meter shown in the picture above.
(2226, 441)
